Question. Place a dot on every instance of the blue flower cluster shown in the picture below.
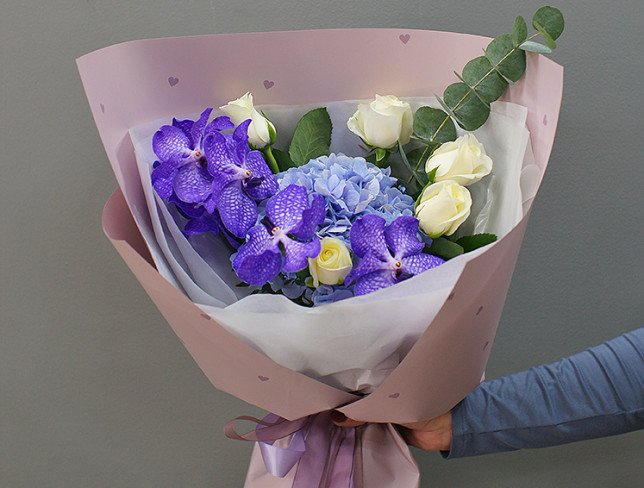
(351, 187)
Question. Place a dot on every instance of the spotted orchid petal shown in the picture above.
(367, 265)
(368, 235)
(200, 226)
(197, 130)
(312, 218)
(285, 208)
(163, 179)
(297, 254)
(171, 143)
(220, 123)
(259, 260)
(193, 184)
(375, 281)
(186, 127)
(267, 183)
(417, 263)
(238, 211)
(402, 237)
(217, 153)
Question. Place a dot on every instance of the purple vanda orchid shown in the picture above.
(182, 170)
(241, 178)
(285, 238)
(388, 254)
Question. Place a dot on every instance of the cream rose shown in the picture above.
(442, 207)
(463, 160)
(333, 263)
(382, 122)
(260, 129)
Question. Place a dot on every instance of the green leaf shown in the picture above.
(479, 75)
(381, 154)
(519, 31)
(470, 112)
(284, 161)
(505, 57)
(433, 125)
(431, 175)
(550, 42)
(414, 157)
(444, 248)
(312, 136)
(535, 47)
(549, 20)
(469, 243)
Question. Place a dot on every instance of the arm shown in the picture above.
(596, 393)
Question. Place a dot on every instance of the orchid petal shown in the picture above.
(170, 143)
(374, 282)
(256, 164)
(260, 269)
(217, 152)
(402, 237)
(312, 217)
(200, 226)
(186, 127)
(368, 235)
(220, 123)
(367, 265)
(237, 210)
(286, 207)
(297, 254)
(197, 131)
(418, 263)
(193, 184)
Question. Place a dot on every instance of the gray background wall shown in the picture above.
(95, 390)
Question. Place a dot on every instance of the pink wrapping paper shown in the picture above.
(134, 82)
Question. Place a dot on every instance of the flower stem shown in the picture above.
(270, 159)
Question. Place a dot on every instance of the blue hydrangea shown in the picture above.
(351, 187)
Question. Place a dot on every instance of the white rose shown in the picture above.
(259, 130)
(333, 263)
(463, 160)
(383, 122)
(442, 207)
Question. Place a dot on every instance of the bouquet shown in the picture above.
(327, 249)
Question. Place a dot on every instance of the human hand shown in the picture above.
(430, 435)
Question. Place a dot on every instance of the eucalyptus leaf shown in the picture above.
(469, 243)
(433, 125)
(549, 20)
(312, 136)
(479, 75)
(535, 47)
(418, 157)
(505, 57)
(283, 159)
(470, 112)
(519, 31)
(549, 41)
(444, 248)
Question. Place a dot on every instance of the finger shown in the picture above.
(341, 420)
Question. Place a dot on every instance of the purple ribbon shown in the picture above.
(327, 456)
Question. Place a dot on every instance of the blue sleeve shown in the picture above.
(596, 393)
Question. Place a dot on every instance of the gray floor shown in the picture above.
(95, 391)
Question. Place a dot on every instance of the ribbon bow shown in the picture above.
(328, 456)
